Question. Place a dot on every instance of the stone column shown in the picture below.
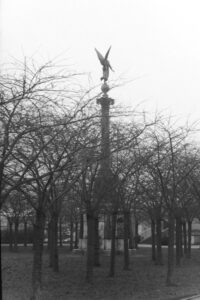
(104, 180)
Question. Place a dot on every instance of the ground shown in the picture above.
(145, 280)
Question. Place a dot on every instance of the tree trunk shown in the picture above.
(177, 242)
(113, 240)
(136, 234)
(132, 231)
(189, 239)
(16, 223)
(126, 234)
(49, 232)
(10, 236)
(37, 255)
(71, 235)
(81, 227)
(25, 233)
(181, 239)
(184, 237)
(90, 247)
(153, 238)
(50, 242)
(60, 232)
(159, 258)
(170, 259)
(76, 235)
(55, 263)
(96, 243)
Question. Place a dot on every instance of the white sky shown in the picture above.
(155, 42)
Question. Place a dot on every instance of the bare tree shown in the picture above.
(168, 142)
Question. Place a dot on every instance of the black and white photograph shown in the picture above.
(100, 149)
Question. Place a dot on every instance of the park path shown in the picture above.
(196, 297)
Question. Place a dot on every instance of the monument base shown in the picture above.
(105, 245)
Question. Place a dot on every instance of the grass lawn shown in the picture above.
(145, 280)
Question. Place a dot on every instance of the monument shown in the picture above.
(105, 181)
(105, 175)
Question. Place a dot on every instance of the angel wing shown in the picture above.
(107, 53)
(100, 57)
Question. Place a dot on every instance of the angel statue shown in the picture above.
(105, 63)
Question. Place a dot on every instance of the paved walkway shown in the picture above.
(197, 297)
(164, 246)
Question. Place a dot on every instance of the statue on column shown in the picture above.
(105, 63)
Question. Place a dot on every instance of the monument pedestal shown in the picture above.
(104, 241)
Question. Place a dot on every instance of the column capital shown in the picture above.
(105, 100)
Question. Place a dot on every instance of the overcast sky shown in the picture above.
(155, 43)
